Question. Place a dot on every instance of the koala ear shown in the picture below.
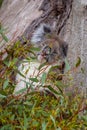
(65, 49)
(47, 29)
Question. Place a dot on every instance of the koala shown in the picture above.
(52, 47)
(52, 50)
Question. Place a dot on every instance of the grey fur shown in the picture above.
(39, 34)
(59, 48)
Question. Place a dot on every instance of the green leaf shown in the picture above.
(35, 123)
(2, 96)
(52, 90)
(54, 68)
(41, 66)
(35, 49)
(59, 83)
(20, 73)
(6, 62)
(53, 120)
(44, 125)
(12, 117)
(43, 78)
(34, 80)
(67, 66)
(6, 83)
(5, 127)
(84, 117)
(25, 122)
(78, 62)
(4, 37)
(15, 60)
(21, 91)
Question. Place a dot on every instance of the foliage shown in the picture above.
(52, 110)
(40, 111)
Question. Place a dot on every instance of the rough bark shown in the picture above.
(17, 19)
(76, 30)
(56, 10)
(16, 16)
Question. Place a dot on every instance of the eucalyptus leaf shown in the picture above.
(53, 120)
(41, 66)
(4, 37)
(35, 49)
(43, 78)
(6, 62)
(2, 96)
(6, 83)
(52, 90)
(59, 83)
(25, 122)
(21, 91)
(34, 80)
(44, 125)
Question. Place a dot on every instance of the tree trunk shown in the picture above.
(76, 35)
(16, 16)
(22, 17)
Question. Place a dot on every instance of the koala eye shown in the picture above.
(47, 50)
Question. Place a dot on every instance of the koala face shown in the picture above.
(52, 48)
(49, 54)
(52, 51)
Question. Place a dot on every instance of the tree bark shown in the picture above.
(76, 35)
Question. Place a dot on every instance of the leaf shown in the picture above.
(4, 37)
(12, 117)
(15, 60)
(6, 83)
(41, 66)
(2, 34)
(43, 78)
(6, 62)
(53, 90)
(59, 83)
(5, 127)
(25, 122)
(20, 73)
(53, 120)
(53, 68)
(20, 91)
(60, 86)
(67, 66)
(35, 49)
(78, 62)
(84, 117)
(35, 123)
(44, 125)
(34, 80)
(2, 96)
